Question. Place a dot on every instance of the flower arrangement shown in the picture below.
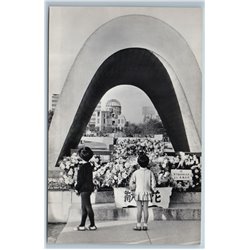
(105, 175)
(114, 174)
(118, 171)
(57, 184)
(162, 167)
(69, 167)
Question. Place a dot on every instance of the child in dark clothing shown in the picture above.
(85, 187)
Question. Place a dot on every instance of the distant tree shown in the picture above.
(130, 129)
(108, 130)
(153, 126)
(91, 127)
(50, 115)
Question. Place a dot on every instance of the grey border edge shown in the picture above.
(187, 4)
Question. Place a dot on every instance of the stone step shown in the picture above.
(55, 173)
(185, 197)
(182, 206)
(109, 211)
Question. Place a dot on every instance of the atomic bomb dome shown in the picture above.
(114, 106)
(113, 103)
(109, 119)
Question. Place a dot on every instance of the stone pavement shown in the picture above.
(114, 233)
(53, 230)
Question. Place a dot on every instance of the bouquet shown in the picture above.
(118, 171)
(114, 174)
(69, 167)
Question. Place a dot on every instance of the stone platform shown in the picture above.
(109, 211)
(64, 206)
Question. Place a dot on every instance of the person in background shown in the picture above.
(84, 187)
(144, 184)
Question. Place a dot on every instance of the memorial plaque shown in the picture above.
(181, 174)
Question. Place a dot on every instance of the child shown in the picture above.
(144, 182)
(85, 187)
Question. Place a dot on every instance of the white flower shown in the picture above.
(61, 179)
(62, 166)
(67, 165)
(171, 159)
(113, 171)
(74, 155)
(71, 181)
(165, 160)
(124, 175)
(159, 178)
(75, 177)
(70, 172)
(127, 165)
(74, 161)
(166, 174)
(179, 185)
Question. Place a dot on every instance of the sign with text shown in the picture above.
(124, 197)
(181, 174)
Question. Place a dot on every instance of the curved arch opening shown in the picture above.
(140, 68)
(131, 98)
(134, 114)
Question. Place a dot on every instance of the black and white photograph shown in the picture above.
(125, 124)
(125, 158)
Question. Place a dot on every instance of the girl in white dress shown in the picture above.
(143, 182)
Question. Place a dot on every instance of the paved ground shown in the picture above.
(120, 232)
(54, 230)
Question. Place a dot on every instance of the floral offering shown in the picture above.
(69, 167)
(123, 163)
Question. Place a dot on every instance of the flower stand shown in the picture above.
(124, 197)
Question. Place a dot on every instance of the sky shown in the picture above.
(132, 100)
(70, 27)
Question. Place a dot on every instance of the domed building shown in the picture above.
(114, 106)
(110, 119)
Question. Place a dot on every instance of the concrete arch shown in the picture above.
(157, 41)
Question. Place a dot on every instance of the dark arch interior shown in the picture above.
(141, 68)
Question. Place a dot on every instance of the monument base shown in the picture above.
(65, 205)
